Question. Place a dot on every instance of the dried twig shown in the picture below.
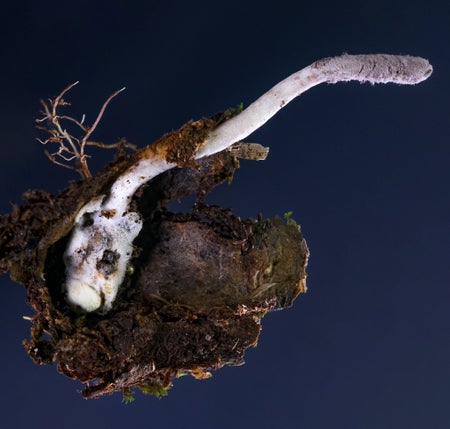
(71, 151)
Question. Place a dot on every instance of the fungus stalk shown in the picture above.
(101, 242)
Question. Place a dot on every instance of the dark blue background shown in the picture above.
(365, 170)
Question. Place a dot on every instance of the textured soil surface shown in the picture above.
(195, 292)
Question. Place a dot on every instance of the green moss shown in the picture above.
(128, 396)
(154, 389)
(290, 221)
(230, 112)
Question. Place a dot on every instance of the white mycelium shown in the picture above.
(98, 253)
(101, 242)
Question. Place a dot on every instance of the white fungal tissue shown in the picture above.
(100, 245)
(97, 256)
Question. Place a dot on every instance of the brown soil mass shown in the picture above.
(196, 289)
